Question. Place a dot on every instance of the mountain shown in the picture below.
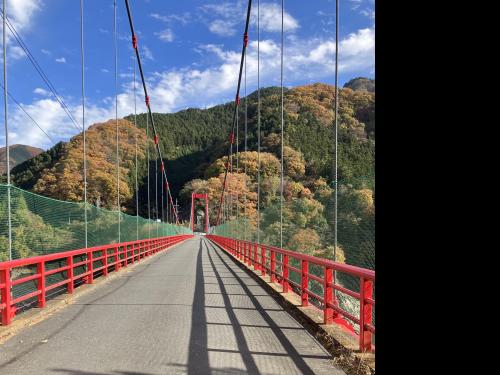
(18, 154)
(361, 84)
(192, 140)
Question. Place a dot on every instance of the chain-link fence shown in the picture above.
(42, 225)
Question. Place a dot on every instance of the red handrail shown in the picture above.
(132, 251)
(248, 252)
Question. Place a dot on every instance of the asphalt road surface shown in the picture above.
(189, 311)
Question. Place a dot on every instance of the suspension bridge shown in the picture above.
(113, 293)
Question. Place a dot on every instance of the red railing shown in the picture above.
(113, 257)
(264, 260)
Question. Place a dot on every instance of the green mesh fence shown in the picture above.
(42, 225)
(308, 228)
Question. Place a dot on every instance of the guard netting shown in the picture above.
(308, 228)
(42, 225)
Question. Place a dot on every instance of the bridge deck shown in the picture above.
(191, 310)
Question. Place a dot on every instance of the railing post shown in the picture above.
(365, 315)
(40, 269)
(133, 252)
(105, 261)
(273, 266)
(328, 313)
(255, 264)
(285, 273)
(263, 260)
(90, 259)
(305, 282)
(117, 259)
(125, 255)
(71, 274)
(6, 297)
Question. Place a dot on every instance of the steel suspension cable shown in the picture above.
(5, 103)
(136, 167)
(258, 121)
(156, 195)
(149, 112)
(116, 121)
(282, 126)
(335, 210)
(82, 52)
(149, 199)
(41, 73)
(162, 217)
(246, 149)
(27, 114)
(237, 162)
(237, 102)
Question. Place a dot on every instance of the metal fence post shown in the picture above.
(71, 274)
(365, 315)
(105, 261)
(285, 273)
(328, 296)
(90, 259)
(6, 297)
(305, 282)
(40, 269)
(273, 266)
(263, 260)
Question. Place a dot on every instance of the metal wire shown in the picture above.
(282, 127)
(258, 121)
(82, 51)
(27, 114)
(117, 129)
(136, 178)
(156, 193)
(149, 112)
(246, 148)
(335, 210)
(147, 148)
(41, 73)
(5, 103)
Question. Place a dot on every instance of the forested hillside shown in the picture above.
(18, 154)
(192, 140)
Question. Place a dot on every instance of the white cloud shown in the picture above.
(16, 52)
(42, 92)
(61, 60)
(166, 35)
(228, 16)
(184, 18)
(370, 13)
(222, 28)
(146, 52)
(20, 13)
(104, 70)
(305, 60)
(270, 18)
(46, 52)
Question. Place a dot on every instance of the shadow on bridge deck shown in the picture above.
(189, 311)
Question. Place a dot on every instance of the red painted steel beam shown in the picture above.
(7, 303)
(333, 313)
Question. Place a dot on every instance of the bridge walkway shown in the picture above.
(191, 310)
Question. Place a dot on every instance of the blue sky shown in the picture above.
(190, 51)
